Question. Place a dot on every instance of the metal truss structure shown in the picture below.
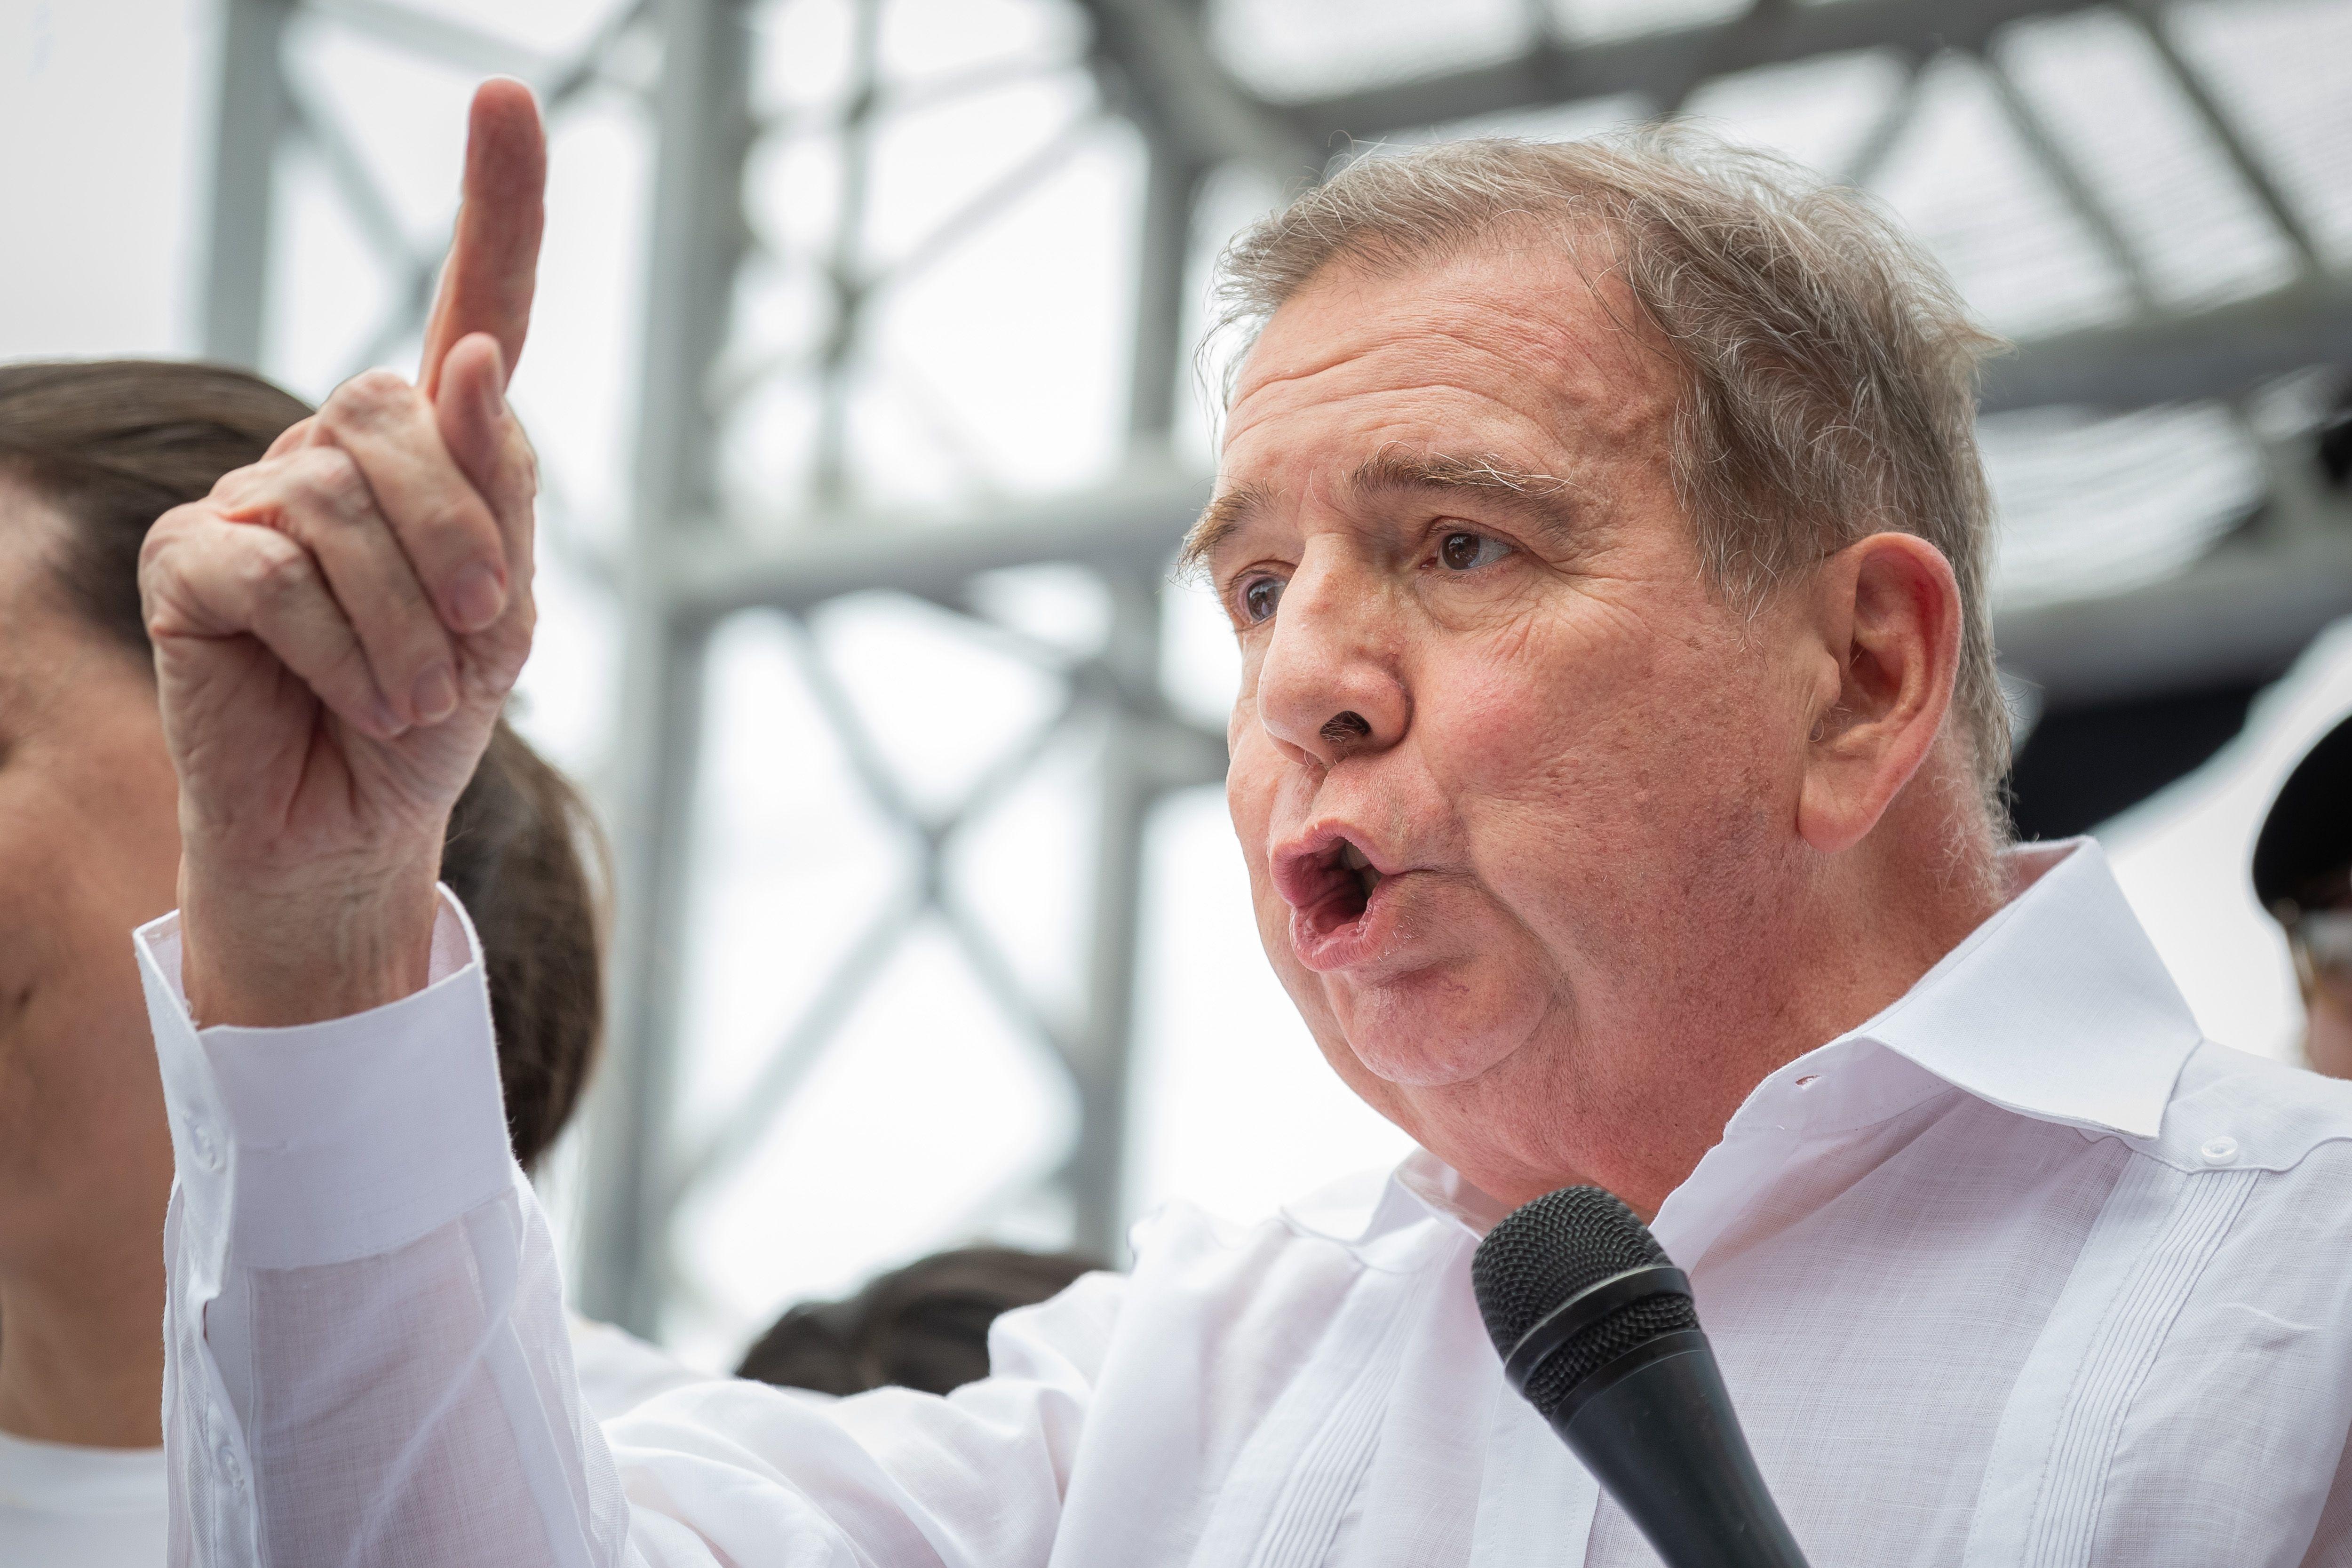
(694, 556)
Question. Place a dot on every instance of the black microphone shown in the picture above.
(1596, 1328)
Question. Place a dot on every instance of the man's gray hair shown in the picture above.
(1828, 364)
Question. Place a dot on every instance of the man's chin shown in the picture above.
(1428, 1030)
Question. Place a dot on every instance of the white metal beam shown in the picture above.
(252, 117)
(703, 127)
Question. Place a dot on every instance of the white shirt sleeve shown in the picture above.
(618, 1370)
(367, 1361)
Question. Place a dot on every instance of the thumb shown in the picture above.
(470, 411)
(470, 405)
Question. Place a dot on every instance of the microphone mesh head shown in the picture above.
(1545, 1252)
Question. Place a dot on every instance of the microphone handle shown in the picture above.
(1656, 1428)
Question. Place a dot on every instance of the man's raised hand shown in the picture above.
(336, 627)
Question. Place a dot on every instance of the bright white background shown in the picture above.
(105, 120)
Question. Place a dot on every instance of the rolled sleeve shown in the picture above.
(334, 1140)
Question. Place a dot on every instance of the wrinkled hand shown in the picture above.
(336, 627)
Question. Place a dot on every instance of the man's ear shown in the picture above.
(1888, 609)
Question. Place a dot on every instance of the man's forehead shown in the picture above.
(1509, 360)
(1520, 311)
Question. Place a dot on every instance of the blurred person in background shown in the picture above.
(1618, 765)
(923, 1327)
(2303, 876)
(89, 846)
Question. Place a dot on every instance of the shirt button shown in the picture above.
(2218, 1151)
(200, 1138)
(229, 1466)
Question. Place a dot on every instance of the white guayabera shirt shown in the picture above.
(2022, 1271)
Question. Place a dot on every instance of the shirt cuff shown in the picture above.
(341, 1139)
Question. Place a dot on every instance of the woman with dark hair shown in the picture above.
(90, 454)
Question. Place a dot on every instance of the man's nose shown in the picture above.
(1330, 685)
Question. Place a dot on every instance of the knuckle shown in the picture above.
(276, 570)
(505, 661)
(238, 486)
(294, 435)
(259, 490)
(166, 531)
(328, 479)
(500, 676)
(369, 396)
(160, 613)
(155, 608)
(378, 385)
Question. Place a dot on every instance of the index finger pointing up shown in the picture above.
(486, 285)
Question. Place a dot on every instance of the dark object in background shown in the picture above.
(2152, 683)
(2335, 441)
(2305, 844)
(924, 1326)
(2081, 765)
(2303, 876)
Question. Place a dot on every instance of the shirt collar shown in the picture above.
(2057, 1007)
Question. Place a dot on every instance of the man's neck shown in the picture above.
(1649, 1077)
(81, 1350)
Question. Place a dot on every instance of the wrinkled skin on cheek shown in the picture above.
(1562, 747)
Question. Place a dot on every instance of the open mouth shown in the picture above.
(1340, 884)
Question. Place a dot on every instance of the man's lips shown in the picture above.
(1310, 869)
(1342, 897)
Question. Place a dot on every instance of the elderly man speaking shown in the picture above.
(1617, 764)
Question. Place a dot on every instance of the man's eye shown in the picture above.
(1259, 596)
(1465, 552)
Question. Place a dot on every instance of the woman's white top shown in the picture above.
(2021, 1273)
(65, 1506)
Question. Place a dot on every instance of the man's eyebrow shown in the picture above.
(1389, 470)
(1220, 520)
(1394, 468)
